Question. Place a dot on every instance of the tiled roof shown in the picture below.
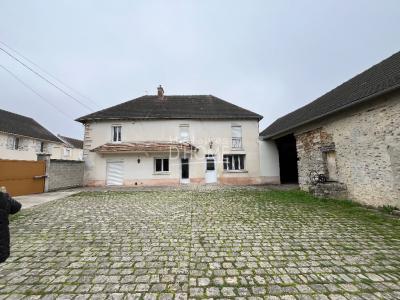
(145, 147)
(173, 107)
(381, 78)
(74, 143)
(24, 126)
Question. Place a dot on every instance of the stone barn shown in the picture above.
(351, 135)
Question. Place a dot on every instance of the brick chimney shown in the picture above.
(160, 92)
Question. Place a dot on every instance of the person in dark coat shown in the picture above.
(7, 206)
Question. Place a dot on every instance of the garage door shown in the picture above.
(115, 173)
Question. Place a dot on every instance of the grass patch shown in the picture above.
(388, 209)
(341, 208)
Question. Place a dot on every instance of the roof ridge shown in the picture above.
(173, 107)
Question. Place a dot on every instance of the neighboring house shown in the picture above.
(22, 138)
(71, 149)
(156, 140)
(351, 135)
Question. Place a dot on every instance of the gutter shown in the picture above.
(31, 137)
(370, 97)
(83, 121)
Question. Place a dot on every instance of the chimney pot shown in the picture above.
(160, 92)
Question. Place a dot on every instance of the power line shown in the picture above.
(35, 92)
(45, 79)
(49, 74)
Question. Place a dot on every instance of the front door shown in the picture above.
(211, 172)
(185, 170)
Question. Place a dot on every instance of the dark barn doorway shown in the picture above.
(287, 159)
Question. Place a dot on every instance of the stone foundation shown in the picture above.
(334, 190)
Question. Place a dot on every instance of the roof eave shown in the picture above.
(83, 121)
(362, 100)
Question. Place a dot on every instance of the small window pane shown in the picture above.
(225, 162)
(165, 165)
(210, 165)
(158, 165)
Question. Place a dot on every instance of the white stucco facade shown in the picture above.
(27, 148)
(211, 137)
(269, 162)
(62, 151)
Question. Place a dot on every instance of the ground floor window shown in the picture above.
(233, 162)
(161, 165)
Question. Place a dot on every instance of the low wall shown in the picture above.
(64, 174)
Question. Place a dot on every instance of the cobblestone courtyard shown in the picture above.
(201, 244)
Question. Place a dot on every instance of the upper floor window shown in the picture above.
(184, 133)
(16, 143)
(67, 152)
(42, 147)
(116, 133)
(236, 136)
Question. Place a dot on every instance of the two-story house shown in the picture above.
(165, 140)
(71, 149)
(22, 138)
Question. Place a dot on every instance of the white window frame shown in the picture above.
(236, 139)
(162, 165)
(241, 162)
(184, 128)
(115, 136)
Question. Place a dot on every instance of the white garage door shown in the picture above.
(115, 173)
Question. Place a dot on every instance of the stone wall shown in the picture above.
(65, 174)
(310, 147)
(367, 145)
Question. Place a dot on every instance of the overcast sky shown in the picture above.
(267, 56)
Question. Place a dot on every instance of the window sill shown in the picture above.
(162, 173)
(236, 171)
(237, 149)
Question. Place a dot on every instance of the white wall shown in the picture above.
(201, 133)
(29, 148)
(58, 153)
(269, 162)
